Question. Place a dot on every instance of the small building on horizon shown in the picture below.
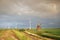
(38, 27)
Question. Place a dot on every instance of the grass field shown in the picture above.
(50, 32)
(55, 31)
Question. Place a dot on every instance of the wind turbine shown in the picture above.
(16, 26)
(30, 23)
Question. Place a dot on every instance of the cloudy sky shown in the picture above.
(45, 12)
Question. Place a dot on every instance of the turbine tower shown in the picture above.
(30, 23)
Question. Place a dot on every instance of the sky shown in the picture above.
(19, 12)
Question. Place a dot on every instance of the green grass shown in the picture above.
(55, 31)
(50, 33)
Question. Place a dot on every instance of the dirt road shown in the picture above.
(8, 35)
